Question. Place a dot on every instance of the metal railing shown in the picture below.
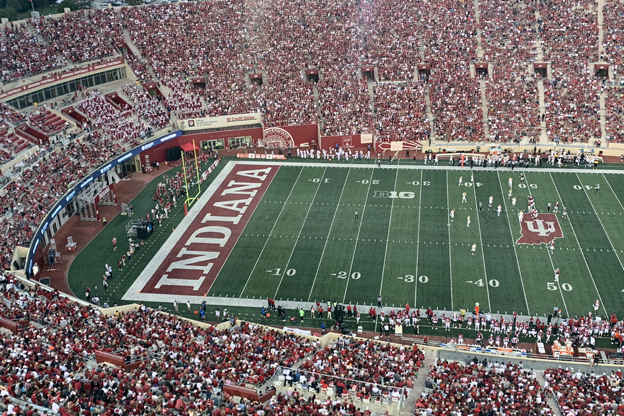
(385, 390)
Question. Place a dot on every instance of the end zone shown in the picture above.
(189, 261)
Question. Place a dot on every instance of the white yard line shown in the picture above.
(549, 255)
(357, 240)
(487, 282)
(418, 243)
(448, 212)
(513, 244)
(270, 233)
(299, 234)
(579, 245)
(599, 220)
(328, 234)
(415, 167)
(610, 187)
(383, 269)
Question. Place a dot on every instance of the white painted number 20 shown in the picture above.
(343, 275)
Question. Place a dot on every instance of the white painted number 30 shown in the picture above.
(425, 183)
(409, 278)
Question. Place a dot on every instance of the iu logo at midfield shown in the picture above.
(542, 230)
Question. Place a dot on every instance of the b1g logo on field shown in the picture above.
(541, 230)
(393, 194)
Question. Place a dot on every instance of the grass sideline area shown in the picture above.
(403, 247)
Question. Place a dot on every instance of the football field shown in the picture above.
(303, 241)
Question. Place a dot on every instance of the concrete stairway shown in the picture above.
(419, 384)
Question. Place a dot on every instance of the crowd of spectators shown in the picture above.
(572, 106)
(146, 107)
(367, 361)
(11, 145)
(79, 36)
(183, 102)
(48, 122)
(22, 53)
(613, 13)
(393, 48)
(401, 111)
(182, 368)
(570, 42)
(117, 131)
(586, 394)
(9, 115)
(224, 42)
(345, 104)
(480, 388)
(614, 103)
(508, 35)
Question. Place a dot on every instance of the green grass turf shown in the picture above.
(303, 242)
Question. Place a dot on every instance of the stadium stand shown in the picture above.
(225, 42)
(457, 389)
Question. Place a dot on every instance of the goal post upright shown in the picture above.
(190, 200)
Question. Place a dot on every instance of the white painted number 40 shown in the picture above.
(579, 187)
(492, 282)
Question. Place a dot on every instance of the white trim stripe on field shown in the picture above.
(383, 269)
(418, 243)
(513, 244)
(299, 234)
(549, 255)
(426, 167)
(328, 234)
(487, 282)
(357, 240)
(600, 221)
(580, 249)
(271, 233)
(448, 215)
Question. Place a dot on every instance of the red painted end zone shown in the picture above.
(192, 265)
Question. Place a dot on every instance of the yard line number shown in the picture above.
(417, 183)
(480, 283)
(531, 185)
(410, 278)
(343, 275)
(566, 286)
(579, 187)
(278, 272)
(317, 180)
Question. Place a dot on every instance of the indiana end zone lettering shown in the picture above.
(190, 260)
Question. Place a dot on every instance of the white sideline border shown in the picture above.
(132, 294)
